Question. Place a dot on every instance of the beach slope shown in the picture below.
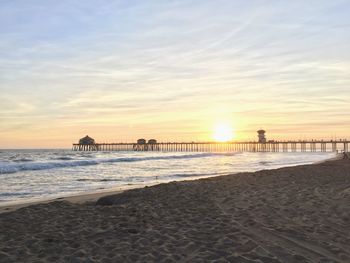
(294, 214)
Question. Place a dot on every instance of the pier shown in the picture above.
(269, 146)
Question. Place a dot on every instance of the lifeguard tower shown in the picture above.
(261, 136)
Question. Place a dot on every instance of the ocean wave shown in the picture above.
(99, 180)
(9, 168)
(265, 162)
(32, 166)
(23, 160)
(63, 158)
(7, 194)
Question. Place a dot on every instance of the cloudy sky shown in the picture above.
(120, 70)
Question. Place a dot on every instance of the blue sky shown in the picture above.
(119, 70)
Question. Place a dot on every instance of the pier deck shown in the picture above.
(272, 146)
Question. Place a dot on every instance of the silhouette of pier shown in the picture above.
(269, 146)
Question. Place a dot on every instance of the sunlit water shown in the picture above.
(31, 174)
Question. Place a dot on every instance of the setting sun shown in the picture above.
(223, 132)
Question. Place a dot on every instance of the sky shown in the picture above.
(172, 70)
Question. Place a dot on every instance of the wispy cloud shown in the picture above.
(127, 68)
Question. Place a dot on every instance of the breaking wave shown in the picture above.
(8, 168)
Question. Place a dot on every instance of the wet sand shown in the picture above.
(294, 214)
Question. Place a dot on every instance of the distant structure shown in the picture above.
(152, 141)
(87, 144)
(152, 144)
(87, 140)
(262, 145)
(141, 141)
(261, 136)
(143, 145)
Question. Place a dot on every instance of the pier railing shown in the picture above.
(272, 146)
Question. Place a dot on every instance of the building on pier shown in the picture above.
(261, 136)
(141, 141)
(152, 141)
(152, 144)
(86, 140)
(87, 144)
(141, 145)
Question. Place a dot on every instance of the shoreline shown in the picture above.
(94, 195)
(77, 198)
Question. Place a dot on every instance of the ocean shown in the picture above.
(28, 175)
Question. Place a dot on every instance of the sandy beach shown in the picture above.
(294, 214)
